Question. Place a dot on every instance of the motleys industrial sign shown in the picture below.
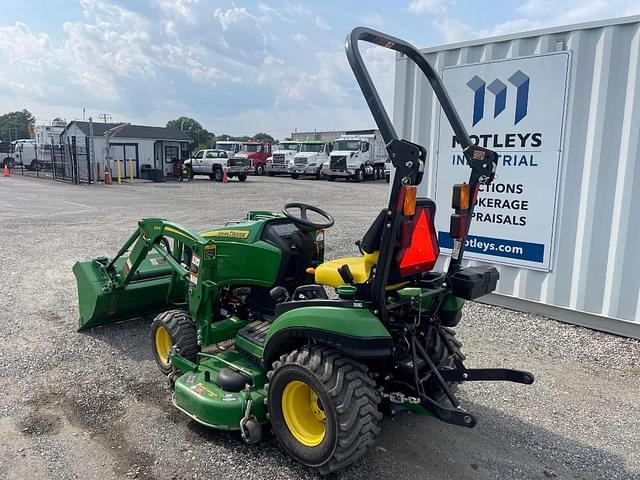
(515, 107)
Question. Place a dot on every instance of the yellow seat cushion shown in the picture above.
(327, 272)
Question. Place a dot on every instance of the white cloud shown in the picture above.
(538, 14)
(321, 22)
(426, 6)
(633, 9)
(372, 20)
(299, 37)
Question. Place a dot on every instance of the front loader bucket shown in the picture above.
(101, 303)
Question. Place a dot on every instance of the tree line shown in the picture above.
(203, 138)
(19, 124)
(16, 125)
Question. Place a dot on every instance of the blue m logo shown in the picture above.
(499, 91)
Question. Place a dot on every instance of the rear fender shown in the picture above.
(354, 331)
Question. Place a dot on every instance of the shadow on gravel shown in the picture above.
(130, 338)
(501, 446)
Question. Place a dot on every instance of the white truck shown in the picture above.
(214, 162)
(311, 160)
(231, 147)
(283, 155)
(358, 155)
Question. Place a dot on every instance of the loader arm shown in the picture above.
(147, 275)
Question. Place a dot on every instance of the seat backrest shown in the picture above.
(371, 241)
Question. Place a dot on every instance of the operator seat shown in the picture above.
(328, 273)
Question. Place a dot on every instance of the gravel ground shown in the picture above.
(93, 405)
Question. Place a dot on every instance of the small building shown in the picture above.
(139, 146)
(49, 134)
(328, 136)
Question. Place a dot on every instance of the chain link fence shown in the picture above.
(67, 162)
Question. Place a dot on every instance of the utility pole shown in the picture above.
(105, 117)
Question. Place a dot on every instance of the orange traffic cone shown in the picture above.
(225, 177)
(107, 176)
(6, 170)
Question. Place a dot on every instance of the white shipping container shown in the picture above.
(593, 272)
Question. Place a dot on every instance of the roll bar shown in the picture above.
(409, 158)
(371, 94)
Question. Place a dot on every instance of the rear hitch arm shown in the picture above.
(486, 375)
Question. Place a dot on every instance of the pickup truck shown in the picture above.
(214, 162)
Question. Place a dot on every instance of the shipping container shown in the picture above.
(589, 273)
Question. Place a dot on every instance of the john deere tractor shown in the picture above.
(253, 325)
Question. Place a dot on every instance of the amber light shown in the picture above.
(409, 203)
(460, 197)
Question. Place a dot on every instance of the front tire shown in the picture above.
(260, 169)
(173, 327)
(242, 177)
(359, 175)
(294, 176)
(218, 174)
(323, 407)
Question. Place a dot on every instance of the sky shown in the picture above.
(238, 67)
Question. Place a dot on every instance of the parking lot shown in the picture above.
(93, 405)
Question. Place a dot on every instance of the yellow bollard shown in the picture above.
(118, 173)
(131, 170)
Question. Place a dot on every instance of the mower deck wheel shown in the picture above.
(323, 407)
(173, 327)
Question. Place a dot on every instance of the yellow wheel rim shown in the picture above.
(304, 414)
(163, 344)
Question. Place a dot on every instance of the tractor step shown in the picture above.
(251, 339)
(255, 332)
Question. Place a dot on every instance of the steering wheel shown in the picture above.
(302, 221)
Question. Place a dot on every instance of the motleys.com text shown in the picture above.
(498, 247)
(488, 247)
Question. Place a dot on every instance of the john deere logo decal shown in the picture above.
(499, 91)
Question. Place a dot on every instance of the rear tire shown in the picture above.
(331, 178)
(242, 177)
(442, 357)
(323, 407)
(294, 176)
(173, 327)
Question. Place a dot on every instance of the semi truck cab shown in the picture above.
(257, 153)
(357, 156)
(283, 154)
(310, 160)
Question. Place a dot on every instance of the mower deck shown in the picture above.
(199, 394)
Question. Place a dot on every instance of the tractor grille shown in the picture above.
(299, 161)
(278, 158)
(338, 163)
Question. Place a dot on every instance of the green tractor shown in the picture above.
(247, 334)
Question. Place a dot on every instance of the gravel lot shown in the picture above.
(93, 405)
